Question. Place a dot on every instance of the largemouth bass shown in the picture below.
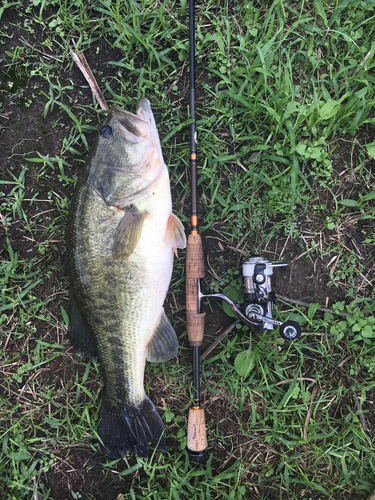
(121, 239)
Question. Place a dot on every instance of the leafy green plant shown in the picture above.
(358, 325)
(361, 204)
(245, 362)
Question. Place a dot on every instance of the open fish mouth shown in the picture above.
(136, 127)
(145, 113)
(131, 127)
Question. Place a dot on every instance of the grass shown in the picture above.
(285, 98)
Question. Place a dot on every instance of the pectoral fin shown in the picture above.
(175, 232)
(164, 344)
(128, 232)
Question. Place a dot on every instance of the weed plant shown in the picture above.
(285, 96)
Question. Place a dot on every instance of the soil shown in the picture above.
(25, 130)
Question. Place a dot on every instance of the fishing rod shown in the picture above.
(258, 286)
(196, 434)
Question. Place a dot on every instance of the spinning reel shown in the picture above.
(256, 311)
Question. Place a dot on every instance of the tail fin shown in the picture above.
(126, 431)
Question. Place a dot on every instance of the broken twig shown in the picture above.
(309, 413)
(83, 65)
(361, 415)
(44, 54)
(306, 304)
(299, 379)
(217, 341)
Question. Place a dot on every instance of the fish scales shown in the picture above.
(121, 237)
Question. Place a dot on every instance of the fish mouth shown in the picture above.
(136, 128)
(144, 111)
(131, 127)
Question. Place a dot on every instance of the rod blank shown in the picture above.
(196, 434)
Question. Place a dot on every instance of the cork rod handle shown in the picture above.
(194, 271)
(196, 432)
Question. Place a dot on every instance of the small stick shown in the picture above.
(35, 494)
(82, 63)
(235, 249)
(286, 242)
(48, 56)
(364, 61)
(7, 340)
(302, 255)
(361, 415)
(299, 379)
(219, 338)
(306, 304)
(309, 413)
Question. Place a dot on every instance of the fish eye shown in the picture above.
(106, 132)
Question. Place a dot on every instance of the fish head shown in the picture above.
(127, 159)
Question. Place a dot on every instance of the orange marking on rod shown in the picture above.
(194, 220)
(193, 156)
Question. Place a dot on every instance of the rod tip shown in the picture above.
(197, 457)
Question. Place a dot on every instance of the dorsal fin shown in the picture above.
(164, 344)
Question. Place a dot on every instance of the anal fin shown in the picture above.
(79, 332)
(164, 344)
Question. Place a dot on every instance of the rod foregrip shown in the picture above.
(194, 271)
(196, 434)
(194, 257)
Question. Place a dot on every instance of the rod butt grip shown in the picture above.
(195, 327)
(196, 435)
(197, 457)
